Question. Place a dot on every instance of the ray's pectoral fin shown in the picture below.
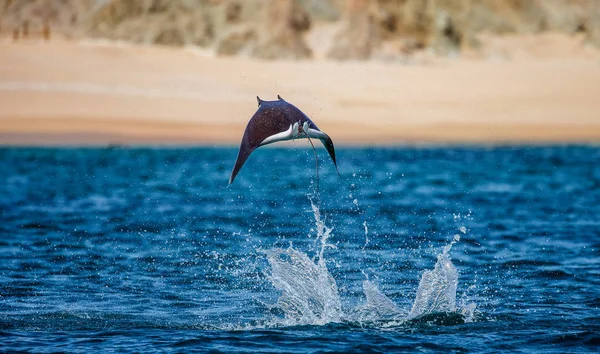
(328, 143)
(248, 146)
(245, 150)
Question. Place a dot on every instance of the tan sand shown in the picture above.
(91, 93)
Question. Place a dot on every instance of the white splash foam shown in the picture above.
(437, 289)
(310, 295)
(377, 306)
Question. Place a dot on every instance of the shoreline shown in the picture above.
(66, 132)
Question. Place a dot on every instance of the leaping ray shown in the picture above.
(278, 121)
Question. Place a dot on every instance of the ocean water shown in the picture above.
(446, 249)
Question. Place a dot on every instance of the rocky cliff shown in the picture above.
(271, 29)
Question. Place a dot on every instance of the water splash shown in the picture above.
(366, 236)
(437, 288)
(377, 306)
(310, 294)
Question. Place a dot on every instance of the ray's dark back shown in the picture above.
(270, 118)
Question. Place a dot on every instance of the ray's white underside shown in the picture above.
(294, 133)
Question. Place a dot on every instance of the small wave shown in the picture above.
(528, 263)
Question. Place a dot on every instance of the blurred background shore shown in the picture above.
(367, 71)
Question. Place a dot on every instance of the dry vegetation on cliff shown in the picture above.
(272, 29)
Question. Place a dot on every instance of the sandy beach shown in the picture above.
(98, 93)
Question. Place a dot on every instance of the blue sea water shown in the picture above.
(447, 249)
